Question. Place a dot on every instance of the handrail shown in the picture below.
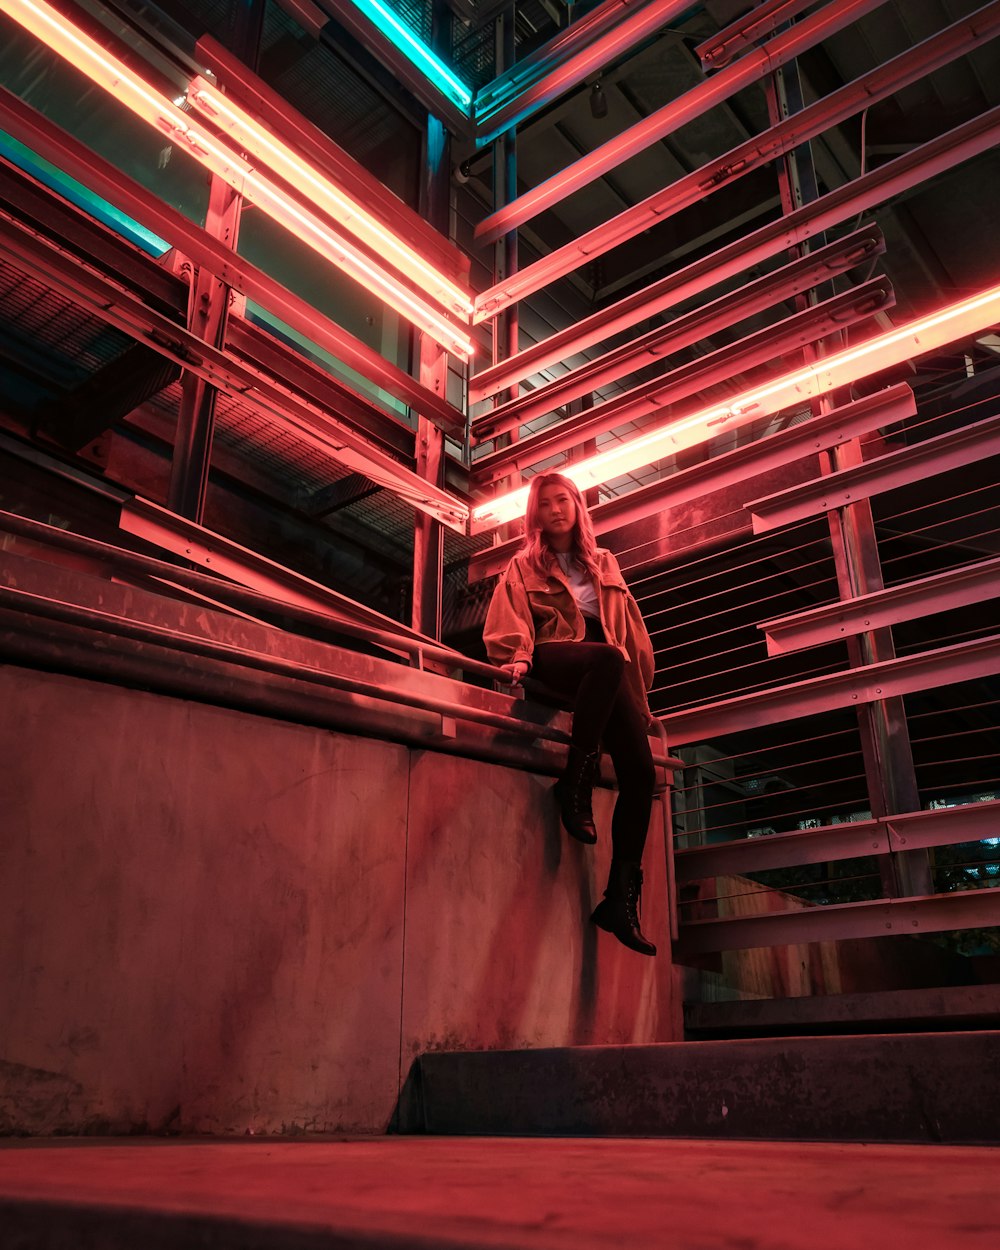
(210, 648)
(240, 596)
(134, 562)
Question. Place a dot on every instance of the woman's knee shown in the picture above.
(610, 661)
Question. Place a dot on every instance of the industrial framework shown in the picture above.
(460, 459)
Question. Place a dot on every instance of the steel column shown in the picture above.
(208, 313)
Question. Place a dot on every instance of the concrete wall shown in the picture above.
(211, 921)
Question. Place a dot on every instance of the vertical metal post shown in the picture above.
(885, 742)
(208, 311)
(506, 340)
(428, 534)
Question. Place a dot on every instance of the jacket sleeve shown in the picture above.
(637, 640)
(509, 632)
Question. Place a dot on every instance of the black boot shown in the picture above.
(574, 790)
(618, 911)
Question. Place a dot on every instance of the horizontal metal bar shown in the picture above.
(934, 157)
(762, 20)
(910, 601)
(819, 433)
(666, 120)
(339, 613)
(764, 292)
(897, 468)
(783, 850)
(226, 558)
(251, 386)
(105, 297)
(71, 156)
(906, 831)
(592, 41)
(810, 325)
(887, 679)
(143, 631)
(313, 143)
(937, 913)
(945, 826)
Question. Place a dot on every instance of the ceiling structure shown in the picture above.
(317, 443)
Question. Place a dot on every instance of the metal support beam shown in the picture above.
(732, 468)
(964, 661)
(782, 136)
(762, 21)
(331, 159)
(904, 832)
(328, 610)
(254, 388)
(47, 140)
(814, 323)
(587, 44)
(910, 601)
(872, 477)
(657, 344)
(941, 154)
(438, 103)
(937, 913)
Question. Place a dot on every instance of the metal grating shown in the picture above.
(33, 317)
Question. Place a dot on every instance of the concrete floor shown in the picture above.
(535, 1194)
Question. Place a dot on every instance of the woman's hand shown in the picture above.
(518, 671)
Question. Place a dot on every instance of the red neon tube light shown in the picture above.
(915, 338)
(41, 20)
(256, 140)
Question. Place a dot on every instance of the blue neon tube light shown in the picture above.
(416, 51)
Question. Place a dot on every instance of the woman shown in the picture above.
(562, 612)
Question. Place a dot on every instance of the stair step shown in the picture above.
(898, 1087)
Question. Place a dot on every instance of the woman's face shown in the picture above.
(556, 511)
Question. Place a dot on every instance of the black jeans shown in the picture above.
(592, 674)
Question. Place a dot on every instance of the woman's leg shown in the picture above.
(590, 674)
(628, 745)
(627, 742)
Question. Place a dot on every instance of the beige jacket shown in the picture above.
(527, 609)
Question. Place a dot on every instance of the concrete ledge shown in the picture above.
(917, 1087)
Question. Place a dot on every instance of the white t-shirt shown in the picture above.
(581, 583)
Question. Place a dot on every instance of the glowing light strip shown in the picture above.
(948, 324)
(416, 51)
(102, 68)
(256, 140)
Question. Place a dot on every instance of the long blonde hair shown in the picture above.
(537, 553)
